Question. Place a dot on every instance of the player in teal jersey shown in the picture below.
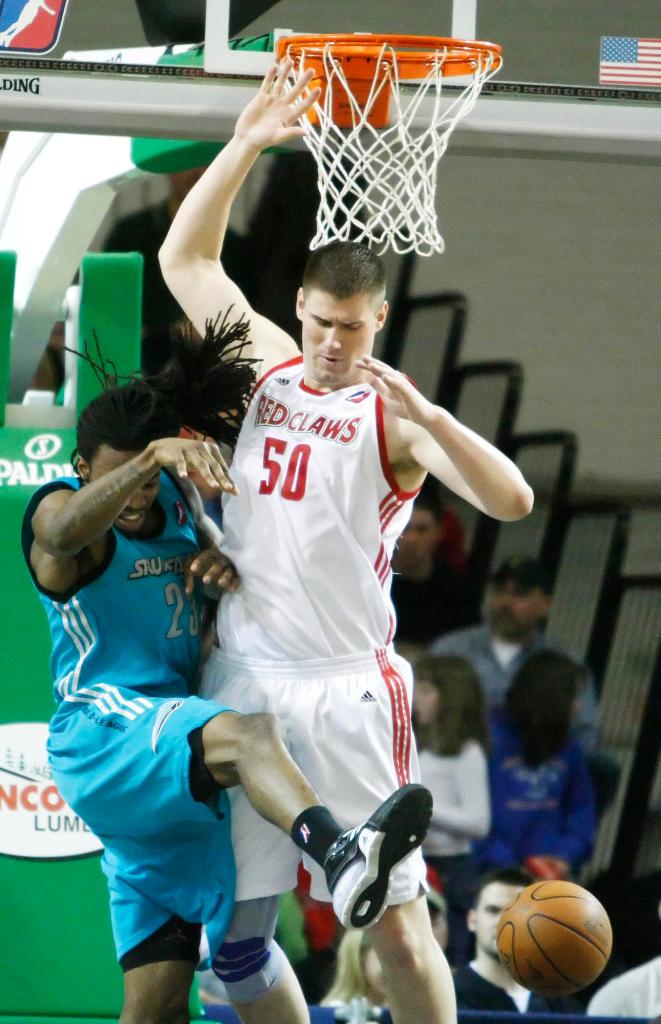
(117, 555)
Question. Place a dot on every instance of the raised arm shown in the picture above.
(424, 438)
(190, 257)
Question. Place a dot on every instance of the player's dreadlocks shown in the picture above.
(205, 387)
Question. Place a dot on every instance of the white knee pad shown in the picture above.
(250, 962)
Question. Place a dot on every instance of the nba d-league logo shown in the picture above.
(30, 26)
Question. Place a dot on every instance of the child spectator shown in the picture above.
(542, 806)
(452, 732)
(358, 972)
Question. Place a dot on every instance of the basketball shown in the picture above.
(554, 938)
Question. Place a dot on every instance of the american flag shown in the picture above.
(626, 60)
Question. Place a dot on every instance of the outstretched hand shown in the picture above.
(271, 118)
(186, 455)
(399, 395)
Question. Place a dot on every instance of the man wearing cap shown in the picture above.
(517, 605)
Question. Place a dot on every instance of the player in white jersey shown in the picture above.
(327, 494)
(332, 450)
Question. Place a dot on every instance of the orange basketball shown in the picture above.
(554, 938)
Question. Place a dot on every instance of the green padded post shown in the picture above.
(7, 277)
(111, 311)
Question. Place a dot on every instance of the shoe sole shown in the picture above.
(394, 831)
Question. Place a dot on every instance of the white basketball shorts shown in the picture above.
(347, 724)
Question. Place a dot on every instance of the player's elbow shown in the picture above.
(167, 261)
(177, 259)
(521, 500)
(61, 541)
(525, 500)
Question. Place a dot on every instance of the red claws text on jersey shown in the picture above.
(272, 413)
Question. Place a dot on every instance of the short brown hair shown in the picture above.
(344, 269)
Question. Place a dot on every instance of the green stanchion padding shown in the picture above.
(7, 276)
(166, 156)
(110, 311)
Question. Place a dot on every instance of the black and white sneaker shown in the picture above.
(360, 862)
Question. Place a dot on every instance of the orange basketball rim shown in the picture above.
(372, 61)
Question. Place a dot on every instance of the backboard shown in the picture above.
(545, 45)
(578, 73)
(580, 78)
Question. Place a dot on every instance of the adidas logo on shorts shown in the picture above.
(367, 698)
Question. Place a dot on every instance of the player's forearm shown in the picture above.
(492, 477)
(93, 509)
(198, 229)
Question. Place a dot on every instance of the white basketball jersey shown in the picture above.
(314, 526)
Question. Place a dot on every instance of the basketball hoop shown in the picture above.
(376, 166)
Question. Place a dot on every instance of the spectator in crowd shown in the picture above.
(452, 732)
(516, 608)
(358, 973)
(272, 289)
(636, 993)
(542, 805)
(430, 596)
(49, 374)
(144, 232)
(485, 983)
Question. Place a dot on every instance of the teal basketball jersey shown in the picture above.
(98, 631)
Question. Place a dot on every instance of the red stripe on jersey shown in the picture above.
(386, 507)
(387, 501)
(378, 565)
(391, 515)
(406, 715)
(383, 454)
(297, 360)
(401, 718)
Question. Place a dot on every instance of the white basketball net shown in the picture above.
(378, 185)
